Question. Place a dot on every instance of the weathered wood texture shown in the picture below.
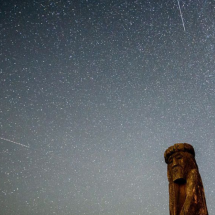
(186, 192)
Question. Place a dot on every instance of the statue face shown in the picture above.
(176, 166)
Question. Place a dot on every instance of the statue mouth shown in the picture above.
(180, 181)
(177, 173)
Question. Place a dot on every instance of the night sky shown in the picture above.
(97, 90)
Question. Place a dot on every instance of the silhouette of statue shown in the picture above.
(186, 192)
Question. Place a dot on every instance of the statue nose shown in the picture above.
(174, 162)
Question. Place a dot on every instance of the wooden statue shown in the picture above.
(186, 192)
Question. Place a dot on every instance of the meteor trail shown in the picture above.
(181, 16)
(14, 142)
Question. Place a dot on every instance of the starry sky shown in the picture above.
(92, 94)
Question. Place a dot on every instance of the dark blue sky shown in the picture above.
(98, 90)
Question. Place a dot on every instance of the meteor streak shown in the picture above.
(181, 15)
(14, 142)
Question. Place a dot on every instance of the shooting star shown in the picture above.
(14, 142)
(181, 15)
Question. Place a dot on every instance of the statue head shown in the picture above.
(180, 159)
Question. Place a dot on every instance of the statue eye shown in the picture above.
(170, 160)
(179, 157)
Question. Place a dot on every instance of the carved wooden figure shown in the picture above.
(186, 192)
